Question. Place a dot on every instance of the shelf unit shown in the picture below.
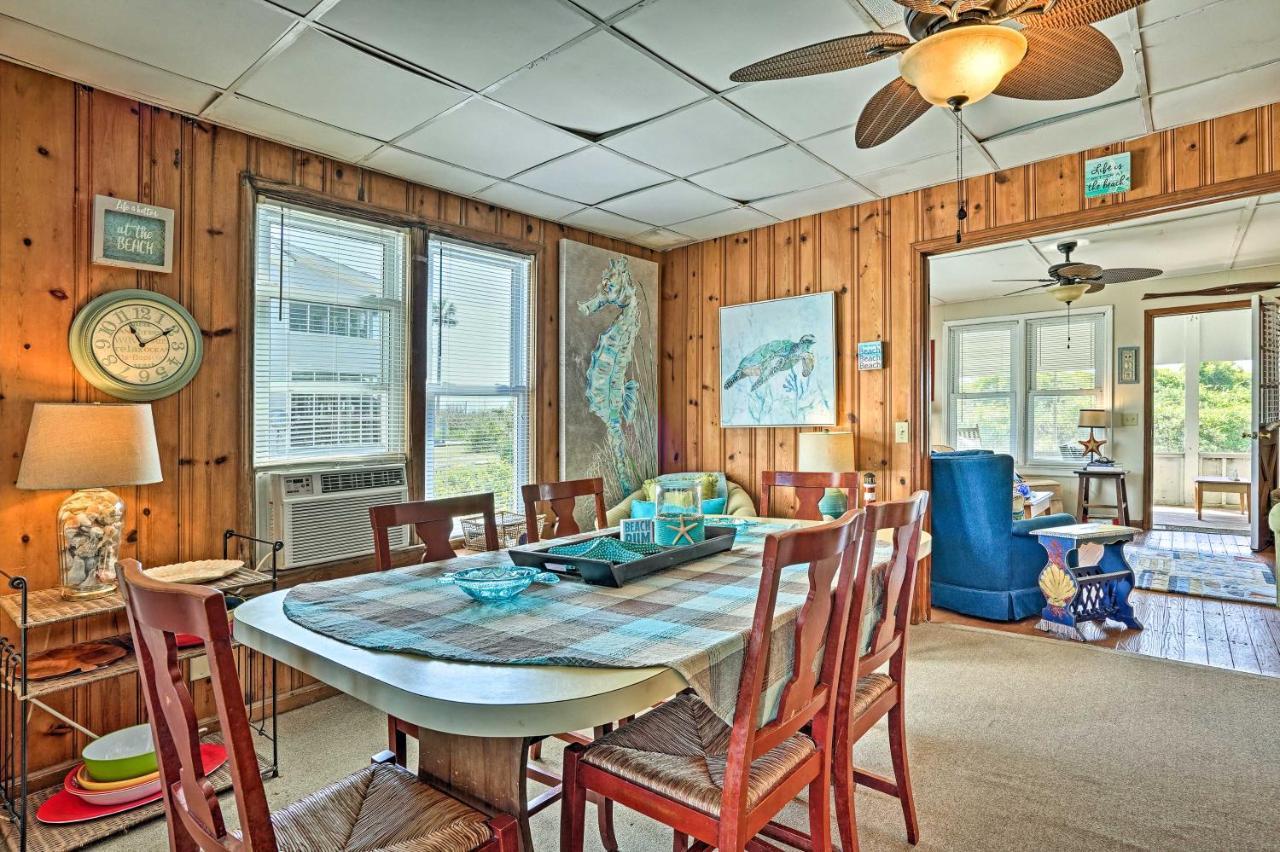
(18, 697)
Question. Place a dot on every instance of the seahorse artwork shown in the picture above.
(611, 396)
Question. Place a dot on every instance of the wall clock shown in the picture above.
(136, 345)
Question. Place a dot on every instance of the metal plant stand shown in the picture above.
(19, 698)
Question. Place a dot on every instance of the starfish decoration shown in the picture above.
(1092, 446)
(684, 530)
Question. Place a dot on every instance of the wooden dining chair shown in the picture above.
(722, 784)
(561, 497)
(877, 634)
(380, 806)
(432, 520)
(809, 488)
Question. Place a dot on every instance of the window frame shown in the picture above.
(1021, 365)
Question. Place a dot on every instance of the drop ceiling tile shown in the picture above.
(76, 60)
(1225, 95)
(519, 198)
(932, 133)
(771, 173)
(325, 79)
(886, 12)
(670, 202)
(212, 41)
(606, 8)
(428, 172)
(969, 275)
(590, 176)
(604, 222)
(930, 171)
(596, 85)
(1152, 13)
(661, 239)
(302, 7)
(489, 138)
(267, 121)
(817, 200)
(696, 138)
(709, 39)
(726, 222)
(1076, 133)
(475, 44)
(806, 106)
(1261, 244)
(1217, 39)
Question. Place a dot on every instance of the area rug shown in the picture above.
(1228, 578)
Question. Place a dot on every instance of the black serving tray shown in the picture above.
(598, 572)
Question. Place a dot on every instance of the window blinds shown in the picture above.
(478, 385)
(330, 339)
(982, 406)
(1064, 355)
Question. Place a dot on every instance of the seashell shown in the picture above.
(1058, 586)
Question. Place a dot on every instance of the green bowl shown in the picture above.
(121, 755)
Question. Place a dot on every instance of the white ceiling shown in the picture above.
(1225, 237)
(618, 115)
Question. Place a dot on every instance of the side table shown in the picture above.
(1085, 501)
(1074, 595)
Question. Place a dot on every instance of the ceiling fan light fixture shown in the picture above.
(1069, 292)
(963, 64)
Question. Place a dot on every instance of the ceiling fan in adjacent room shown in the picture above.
(1069, 280)
(958, 53)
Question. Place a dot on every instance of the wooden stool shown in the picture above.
(1084, 505)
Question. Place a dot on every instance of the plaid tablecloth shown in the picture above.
(693, 618)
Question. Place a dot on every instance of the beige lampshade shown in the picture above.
(1096, 418)
(825, 452)
(89, 445)
(967, 63)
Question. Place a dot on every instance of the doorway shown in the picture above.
(1200, 412)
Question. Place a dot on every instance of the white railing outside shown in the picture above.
(1172, 487)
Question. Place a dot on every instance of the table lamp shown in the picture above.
(87, 447)
(827, 452)
(1093, 418)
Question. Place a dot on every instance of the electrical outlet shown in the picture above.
(1129, 420)
(902, 432)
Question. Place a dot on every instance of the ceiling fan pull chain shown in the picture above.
(962, 211)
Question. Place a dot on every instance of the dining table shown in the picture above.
(477, 720)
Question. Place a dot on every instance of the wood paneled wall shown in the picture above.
(61, 144)
(872, 257)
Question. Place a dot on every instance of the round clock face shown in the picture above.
(136, 345)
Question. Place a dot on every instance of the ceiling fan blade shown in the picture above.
(1096, 287)
(1221, 290)
(1077, 271)
(889, 112)
(1063, 64)
(1028, 289)
(1023, 280)
(836, 54)
(1075, 13)
(1125, 275)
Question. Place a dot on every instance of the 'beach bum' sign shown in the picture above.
(1107, 175)
(126, 233)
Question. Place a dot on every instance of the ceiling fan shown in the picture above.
(1241, 289)
(1070, 279)
(958, 53)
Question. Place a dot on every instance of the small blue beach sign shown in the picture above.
(1108, 175)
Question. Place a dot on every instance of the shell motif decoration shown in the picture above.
(1058, 586)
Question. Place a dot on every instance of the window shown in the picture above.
(478, 344)
(1017, 385)
(330, 341)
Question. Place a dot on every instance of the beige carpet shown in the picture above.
(1016, 743)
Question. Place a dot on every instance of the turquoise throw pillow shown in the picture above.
(714, 507)
(642, 508)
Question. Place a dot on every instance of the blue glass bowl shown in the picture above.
(499, 583)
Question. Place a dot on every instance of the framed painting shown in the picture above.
(1127, 368)
(130, 234)
(778, 362)
(608, 370)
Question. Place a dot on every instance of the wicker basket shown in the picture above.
(510, 528)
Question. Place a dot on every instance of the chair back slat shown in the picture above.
(432, 520)
(830, 552)
(884, 638)
(809, 488)
(561, 498)
(157, 611)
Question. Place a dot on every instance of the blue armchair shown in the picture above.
(984, 563)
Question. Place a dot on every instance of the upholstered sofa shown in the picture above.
(984, 562)
(737, 501)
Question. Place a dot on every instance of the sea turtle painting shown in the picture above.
(772, 358)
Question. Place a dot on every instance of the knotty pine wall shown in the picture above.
(61, 144)
(869, 255)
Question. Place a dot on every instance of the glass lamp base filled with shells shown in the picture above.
(90, 524)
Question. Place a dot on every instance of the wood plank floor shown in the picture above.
(1240, 636)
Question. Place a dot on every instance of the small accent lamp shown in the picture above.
(827, 452)
(1093, 418)
(88, 446)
